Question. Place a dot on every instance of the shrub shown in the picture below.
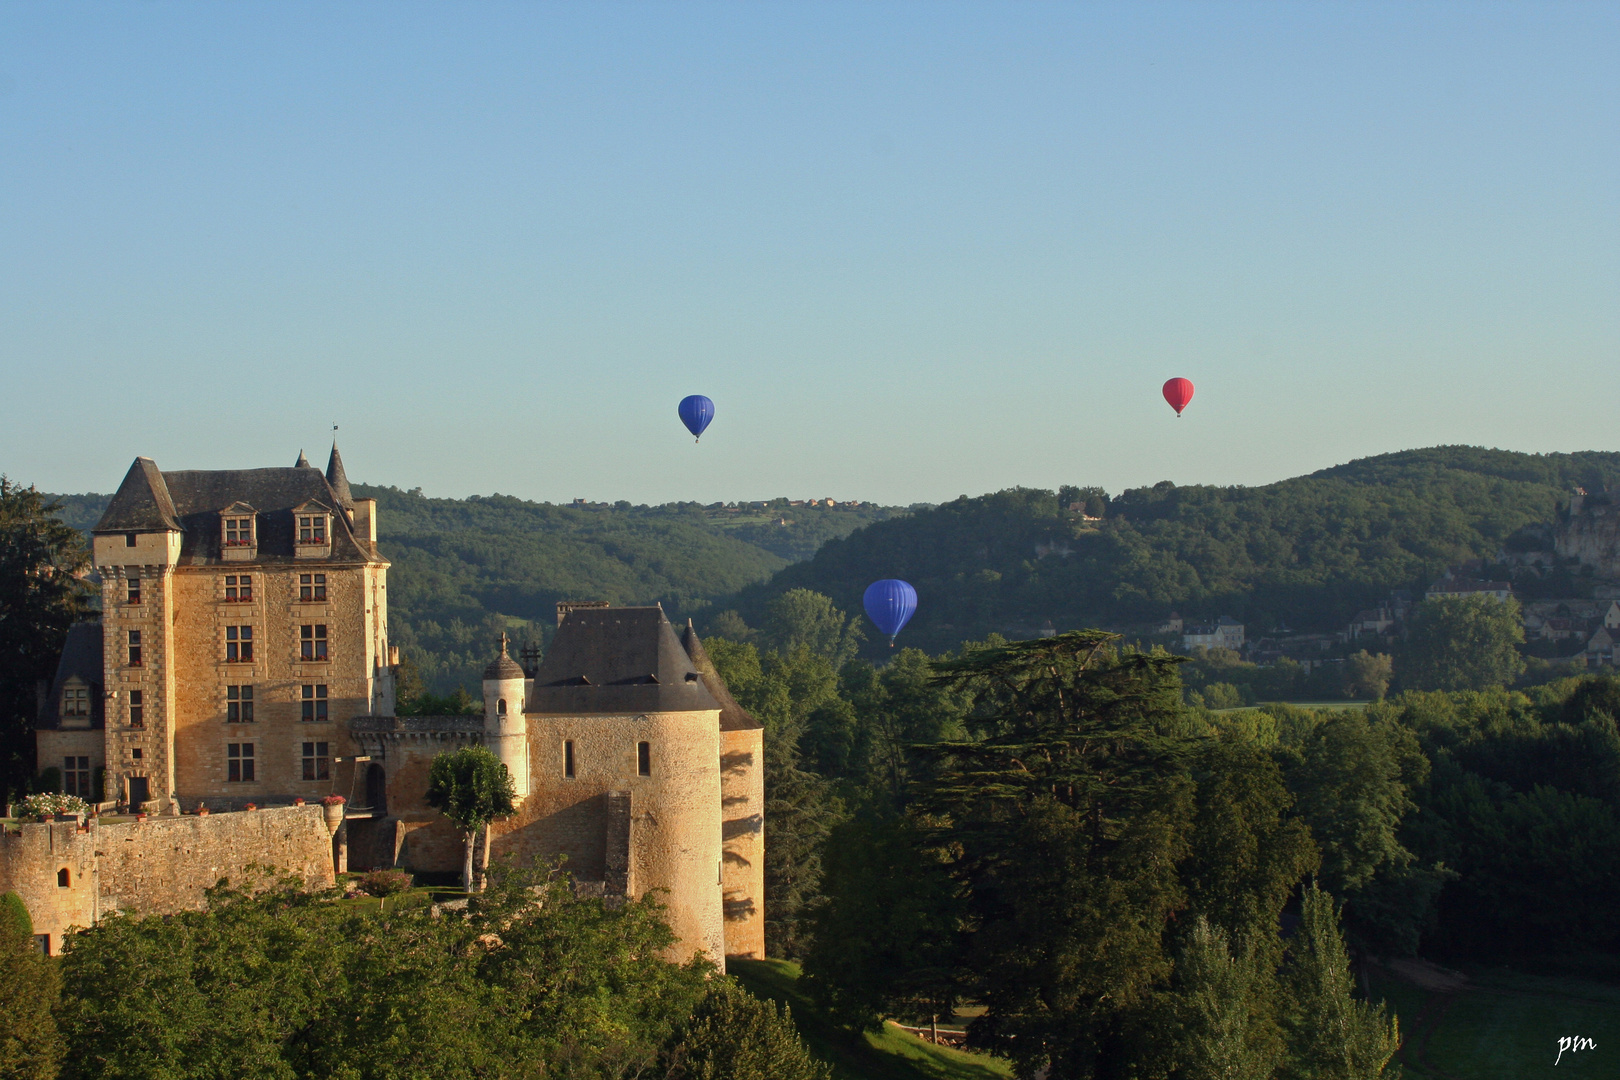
(385, 882)
(47, 805)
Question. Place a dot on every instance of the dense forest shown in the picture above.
(1306, 552)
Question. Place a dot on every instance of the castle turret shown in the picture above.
(506, 732)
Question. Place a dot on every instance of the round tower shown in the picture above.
(506, 732)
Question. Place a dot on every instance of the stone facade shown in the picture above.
(244, 617)
(242, 657)
(71, 875)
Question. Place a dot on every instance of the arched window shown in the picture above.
(500, 707)
(63, 879)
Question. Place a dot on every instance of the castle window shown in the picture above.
(312, 586)
(238, 644)
(44, 943)
(317, 765)
(500, 707)
(239, 704)
(134, 583)
(134, 648)
(137, 712)
(312, 642)
(135, 753)
(568, 758)
(239, 762)
(239, 532)
(238, 587)
(63, 878)
(312, 529)
(315, 703)
(75, 703)
(76, 776)
(644, 758)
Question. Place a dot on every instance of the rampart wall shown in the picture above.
(157, 866)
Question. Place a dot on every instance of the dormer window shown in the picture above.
(312, 531)
(238, 537)
(75, 703)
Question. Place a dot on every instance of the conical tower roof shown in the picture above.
(733, 717)
(338, 479)
(302, 462)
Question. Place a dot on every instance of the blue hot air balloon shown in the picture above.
(889, 604)
(696, 412)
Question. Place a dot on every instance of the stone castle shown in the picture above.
(242, 657)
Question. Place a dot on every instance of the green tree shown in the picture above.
(1367, 674)
(30, 1045)
(42, 594)
(1065, 827)
(472, 788)
(804, 617)
(1463, 643)
(1331, 1034)
(886, 929)
(1218, 1019)
(735, 1036)
(898, 708)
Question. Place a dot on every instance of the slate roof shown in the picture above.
(81, 656)
(733, 717)
(150, 500)
(618, 660)
(338, 480)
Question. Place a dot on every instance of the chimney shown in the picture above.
(365, 519)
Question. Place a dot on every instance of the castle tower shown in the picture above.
(506, 732)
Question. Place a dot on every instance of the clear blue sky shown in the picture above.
(911, 250)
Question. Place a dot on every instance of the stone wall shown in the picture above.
(156, 866)
(742, 803)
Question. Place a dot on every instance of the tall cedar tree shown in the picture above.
(41, 595)
(1066, 826)
(472, 788)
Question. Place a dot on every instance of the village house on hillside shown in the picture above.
(1224, 633)
(242, 661)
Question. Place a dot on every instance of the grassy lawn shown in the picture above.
(891, 1055)
(1504, 1026)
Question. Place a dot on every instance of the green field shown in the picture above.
(1504, 1026)
(892, 1055)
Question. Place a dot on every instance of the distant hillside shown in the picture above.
(1307, 551)
(465, 568)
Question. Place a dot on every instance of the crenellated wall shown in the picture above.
(156, 866)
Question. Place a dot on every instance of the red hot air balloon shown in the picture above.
(1178, 392)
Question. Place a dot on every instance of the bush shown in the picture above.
(385, 882)
(47, 805)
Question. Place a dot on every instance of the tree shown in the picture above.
(1463, 643)
(1064, 826)
(1331, 1035)
(42, 594)
(886, 930)
(1217, 1021)
(804, 617)
(1367, 674)
(735, 1036)
(472, 788)
(30, 1045)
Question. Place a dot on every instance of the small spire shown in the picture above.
(302, 462)
(503, 643)
(337, 478)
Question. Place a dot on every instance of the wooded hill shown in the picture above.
(1305, 552)
(465, 569)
